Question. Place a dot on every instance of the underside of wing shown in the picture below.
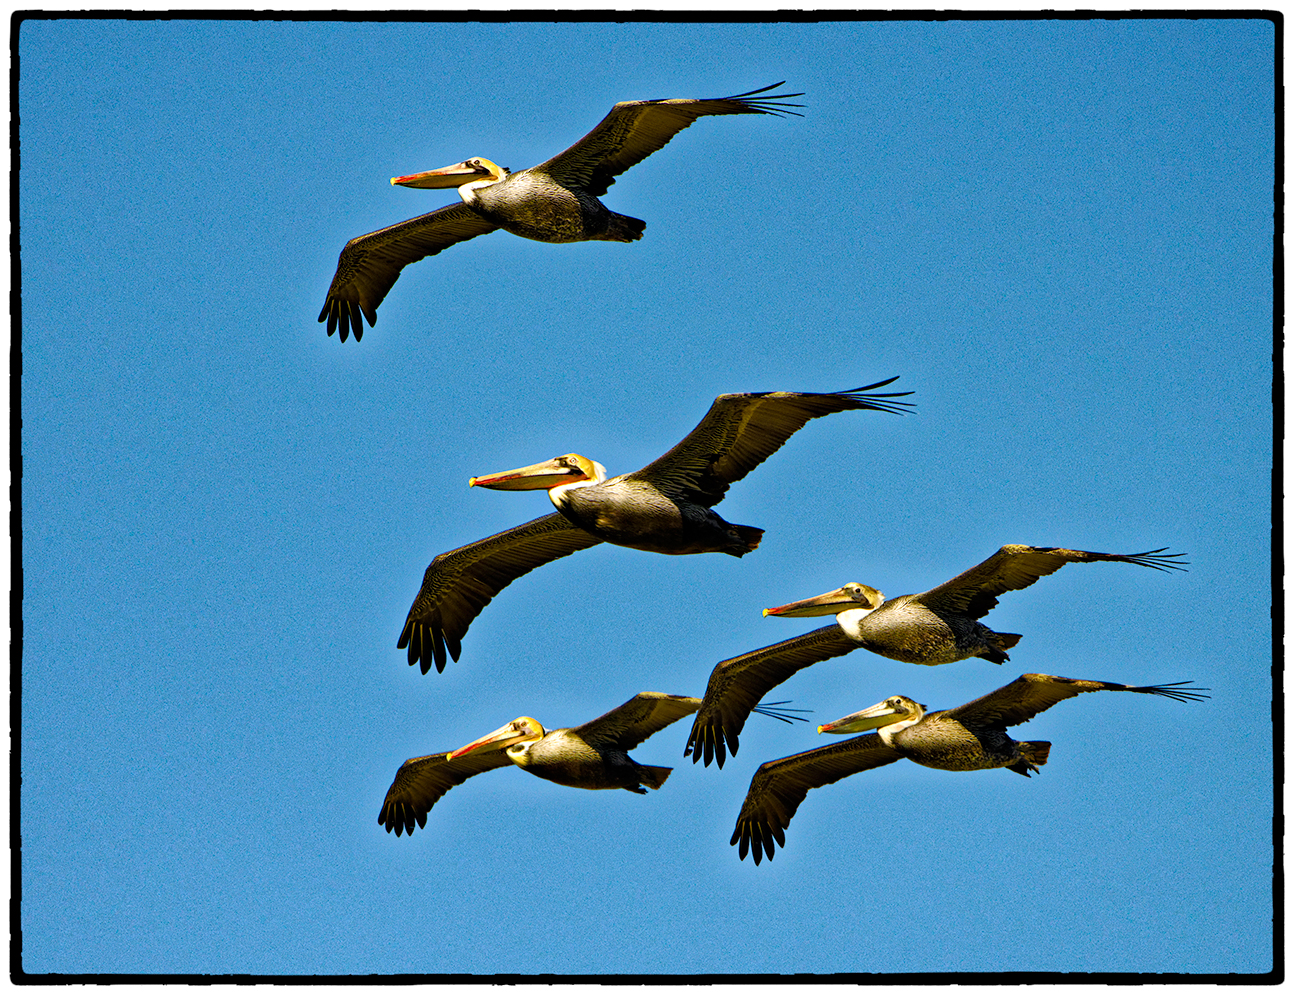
(737, 685)
(740, 431)
(641, 716)
(779, 786)
(370, 264)
(459, 584)
(636, 128)
(420, 782)
(1013, 568)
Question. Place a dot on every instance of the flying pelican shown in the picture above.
(556, 201)
(938, 626)
(970, 737)
(593, 755)
(662, 508)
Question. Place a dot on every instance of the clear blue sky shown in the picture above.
(1058, 233)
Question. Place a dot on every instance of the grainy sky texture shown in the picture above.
(1059, 235)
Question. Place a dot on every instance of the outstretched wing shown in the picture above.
(370, 264)
(641, 716)
(459, 584)
(1013, 568)
(740, 431)
(636, 128)
(420, 782)
(1030, 694)
(737, 685)
(779, 786)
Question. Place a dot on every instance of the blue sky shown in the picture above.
(1059, 235)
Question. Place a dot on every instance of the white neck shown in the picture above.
(850, 620)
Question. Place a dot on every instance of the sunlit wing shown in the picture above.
(420, 782)
(636, 128)
(737, 685)
(1030, 694)
(625, 727)
(779, 786)
(370, 264)
(740, 431)
(459, 584)
(1013, 568)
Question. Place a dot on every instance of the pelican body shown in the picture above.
(942, 625)
(629, 510)
(663, 508)
(556, 201)
(970, 737)
(593, 756)
(937, 627)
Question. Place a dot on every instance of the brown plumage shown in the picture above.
(593, 756)
(662, 508)
(556, 201)
(937, 627)
(969, 737)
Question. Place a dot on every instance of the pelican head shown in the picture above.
(517, 734)
(890, 715)
(469, 171)
(851, 597)
(569, 469)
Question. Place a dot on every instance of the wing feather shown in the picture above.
(459, 584)
(1013, 568)
(634, 129)
(370, 264)
(420, 782)
(643, 715)
(1030, 694)
(737, 685)
(740, 431)
(779, 786)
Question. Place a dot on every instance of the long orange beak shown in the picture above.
(831, 603)
(549, 473)
(515, 731)
(448, 176)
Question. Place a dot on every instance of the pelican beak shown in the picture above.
(449, 176)
(516, 731)
(832, 603)
(558, 470)
(869, 718)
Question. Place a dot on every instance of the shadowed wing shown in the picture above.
(737, 685)
(779, 786)
(459, 584)
(740, 431)
(1013, 568)
(1030, 694)
(370, 264)
(420, 782)
(636, 128)
(641, 716)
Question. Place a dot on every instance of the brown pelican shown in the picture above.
(936, 627)
(556, 201)
(593, 755)
(970, 737)
(662, 508)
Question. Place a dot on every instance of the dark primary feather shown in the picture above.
(420, 782)
(779, 786)
(740, 431)
(634, 129)
(458, 585)
(1013, 568)
(632, 723)
(370, 264)
(1030, 694)
(737, 685)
